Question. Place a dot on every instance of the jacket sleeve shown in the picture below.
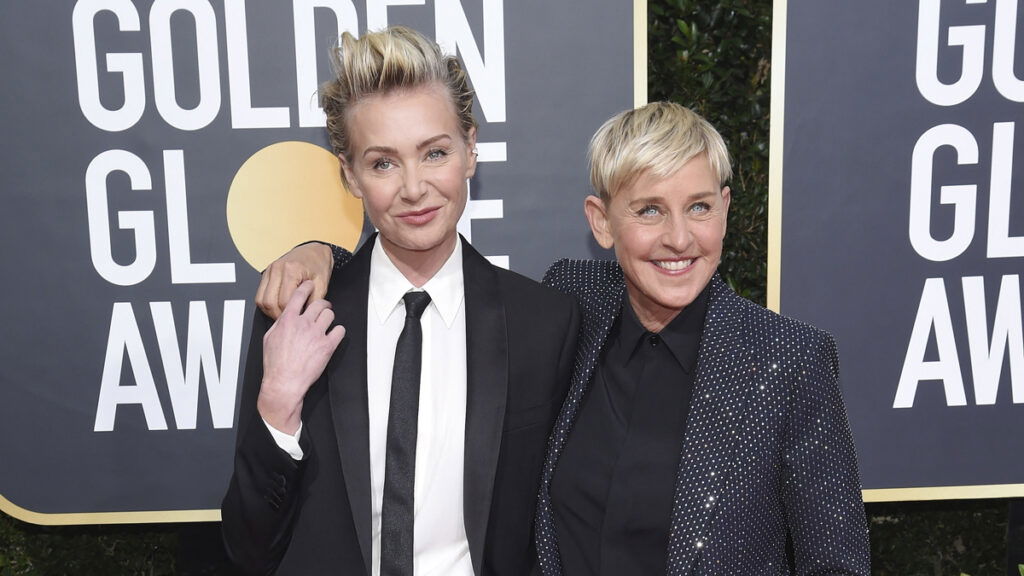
(260, 505)
(339, 256)
(820, 483)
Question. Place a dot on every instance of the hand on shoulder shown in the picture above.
(312, 261)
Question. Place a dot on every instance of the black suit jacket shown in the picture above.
(768, 460)
(313, 516)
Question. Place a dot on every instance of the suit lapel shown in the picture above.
(346, 378)
(486, 393)
(721, 393)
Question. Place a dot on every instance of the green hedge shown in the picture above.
(714, 57)
(907, 539)
(26, 549)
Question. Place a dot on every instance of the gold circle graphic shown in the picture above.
(286, 194)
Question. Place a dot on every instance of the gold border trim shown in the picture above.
(639, 53)
(944, 493)
(775, 153)
(148, 517)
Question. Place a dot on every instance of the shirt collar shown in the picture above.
(681, 335)
(388, 285)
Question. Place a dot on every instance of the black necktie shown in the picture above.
(396, 521)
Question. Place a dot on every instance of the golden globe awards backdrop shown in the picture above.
(159, 153)
(898, 207)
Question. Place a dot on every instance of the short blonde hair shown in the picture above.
(393, 59)
(658, 138)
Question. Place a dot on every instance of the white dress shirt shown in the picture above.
(440, 546)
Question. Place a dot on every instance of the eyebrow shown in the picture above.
(424, 144)
(660, 199)
(705, 194)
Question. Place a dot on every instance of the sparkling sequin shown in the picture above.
(767, 453)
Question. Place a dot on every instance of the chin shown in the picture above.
(676, 305)
(677, 299)
(423, 242)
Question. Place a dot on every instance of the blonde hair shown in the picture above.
(393, 59)
(658, 138)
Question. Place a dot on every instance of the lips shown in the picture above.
(673, 265)
(419, 217)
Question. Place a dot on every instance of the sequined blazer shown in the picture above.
(767, 456)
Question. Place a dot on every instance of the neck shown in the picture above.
(653, 318)
(656, 322)
(419, 266)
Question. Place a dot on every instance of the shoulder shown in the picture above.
(782, 335)
(785, 326)
(546, 315)
(574, 276)
(517, 288)
(340, 256)
(796, 333)
(513, 288)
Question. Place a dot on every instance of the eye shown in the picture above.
(700, 208)
(648, 211)
(437, 154)
(383, 163)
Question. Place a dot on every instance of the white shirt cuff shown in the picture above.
(286, 442)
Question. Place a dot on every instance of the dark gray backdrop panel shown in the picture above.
(853, 114)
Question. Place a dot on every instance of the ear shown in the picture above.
(353, 185)
(471, 146)
(726, 198)
(597, 216)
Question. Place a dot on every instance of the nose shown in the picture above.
(676, 235)
(414, 186)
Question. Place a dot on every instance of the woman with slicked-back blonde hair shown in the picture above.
(397, 58)
(414, 444)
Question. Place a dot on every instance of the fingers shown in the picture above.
(291, 275)
(313, 296)
(286, 287)
(336, 334)
(298, 298)
(317, 292)
(276, 287)
(318, 264)
(324, 318)
(266, 294)
(284, 275)
(315, 306)
(318, 311)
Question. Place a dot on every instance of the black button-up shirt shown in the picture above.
(613, 489)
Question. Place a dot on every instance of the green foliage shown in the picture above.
(926, 538)
(715, 57)
(29, 550)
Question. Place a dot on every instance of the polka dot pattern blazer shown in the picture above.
(767, 480)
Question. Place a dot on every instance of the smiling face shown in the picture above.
(667, 234)
(409, 163)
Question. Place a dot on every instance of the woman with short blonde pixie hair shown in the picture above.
(393, 59)
(658, 138)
